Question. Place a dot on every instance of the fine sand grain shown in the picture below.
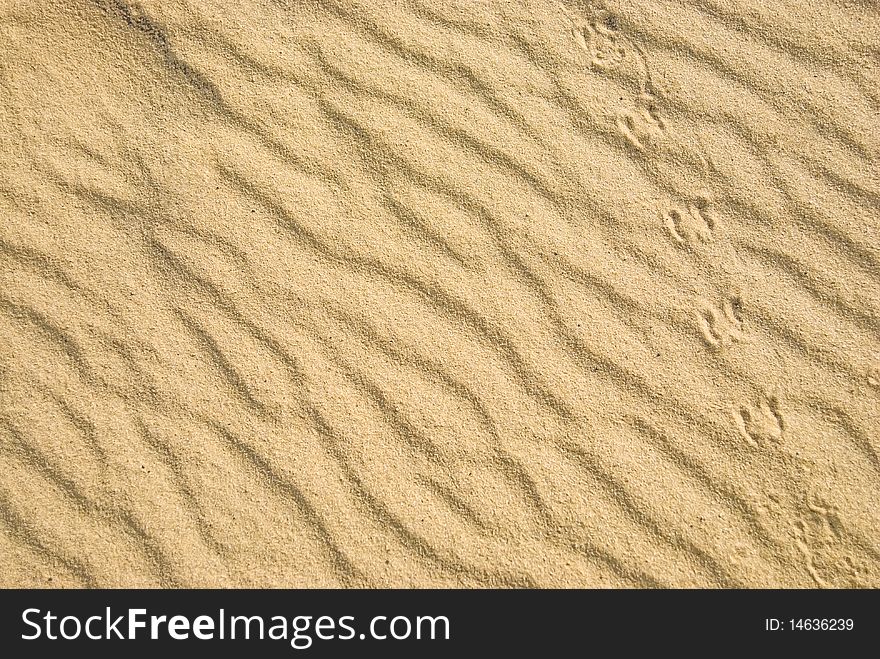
(440, 293)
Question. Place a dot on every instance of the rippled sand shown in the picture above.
(459, 293)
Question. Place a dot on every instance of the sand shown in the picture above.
(358, 293)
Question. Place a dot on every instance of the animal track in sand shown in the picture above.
(599, 37)
(762, 423)
(604, 46)
(721, 325)
(695, 224)
(822, 539)
(644, 125)
(596, 31)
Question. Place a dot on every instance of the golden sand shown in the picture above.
(453, 293)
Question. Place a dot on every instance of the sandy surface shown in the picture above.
(459, 293)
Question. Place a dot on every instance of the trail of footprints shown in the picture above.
(599, 36)
(818, 531)
(689, 224)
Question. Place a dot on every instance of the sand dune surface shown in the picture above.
(372, 293)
